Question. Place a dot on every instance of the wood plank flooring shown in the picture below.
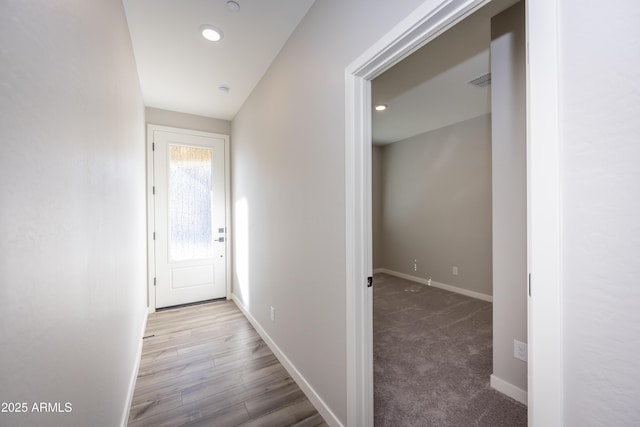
(205, 365)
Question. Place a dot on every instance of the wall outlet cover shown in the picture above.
(520, 350)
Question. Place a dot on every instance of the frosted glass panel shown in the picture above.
(190, 199)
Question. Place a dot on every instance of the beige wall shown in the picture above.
(72, 191)
(175, 119)
(508, 101)
(436, 210)
(600, 201)
(288, 166)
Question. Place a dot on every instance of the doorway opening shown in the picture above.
(439, 235)
(543, 210)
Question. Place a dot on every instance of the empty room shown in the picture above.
(449, 228)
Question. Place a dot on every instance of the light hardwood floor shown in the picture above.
(205, 365)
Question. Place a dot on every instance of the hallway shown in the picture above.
(206, 365)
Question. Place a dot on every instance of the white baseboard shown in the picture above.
(509, 389)
(134, 374)
(328, 415)
(472, 294)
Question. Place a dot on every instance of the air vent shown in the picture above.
(482, 81)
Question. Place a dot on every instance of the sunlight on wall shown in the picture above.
(241, 251)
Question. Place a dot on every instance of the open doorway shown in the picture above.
(434, 225)
(543, 210)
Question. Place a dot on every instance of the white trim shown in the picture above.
(428, 21)
(509, 389)
(545, 369)
(151, 260)
(451, 288)
(359, 298)
(227, 219)
(324, 410)
(151, 247)
(134, 374)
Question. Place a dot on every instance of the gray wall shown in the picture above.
(600, 177)
(72, 191)
(508, 99)
(175, 119)
(437, 205)
(376, 203)
(288, 163)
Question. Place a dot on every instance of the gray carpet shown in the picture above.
(432, 354)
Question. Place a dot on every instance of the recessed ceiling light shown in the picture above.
(381, 107)
(233, 6)
(224, 88)
(211, 33)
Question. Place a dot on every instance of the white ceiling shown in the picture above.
(424, 94)
(181, 71)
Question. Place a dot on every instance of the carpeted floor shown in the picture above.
(432, 354)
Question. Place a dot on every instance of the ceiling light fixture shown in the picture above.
(233, 6)
(211, 33)
(381, 107)
(224, 88)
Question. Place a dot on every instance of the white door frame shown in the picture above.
(543, 212)
(151, 256)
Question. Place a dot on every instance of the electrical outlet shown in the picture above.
(520, 350)
(455, 270)
(272, 314)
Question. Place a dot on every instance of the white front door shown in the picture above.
(189, 217)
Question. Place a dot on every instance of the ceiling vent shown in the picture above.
(482, 81)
